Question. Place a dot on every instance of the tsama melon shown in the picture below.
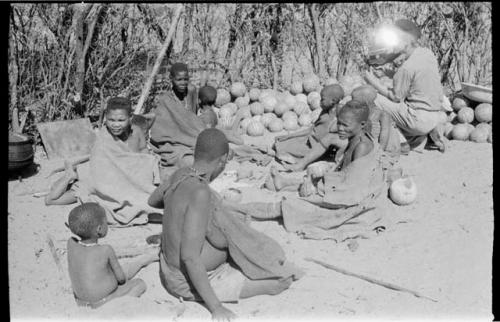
(483, 112)
(296, 87)
(256, 108)
(484, 126)
(403, 191)
(304, 120)
(290, 124)
(301, 98)
(470, 128)
(290, 101)
(448, 127)
(245, 112)
(312, 96)
(225, 122)
(269, 102)
(289, 115)
(242, 101)
(238, 89)
(223, 97)
(276, 125)
(315, 104)
(255, 128)
(244, 123)
(460, 132)
(479, 135)
(254, 94)
(280, 108)
(310, 83)
(459, 103)
(331, 81)
(225, 111)
(267, 118)
(257, 118)
(465, 115)
(300, 108)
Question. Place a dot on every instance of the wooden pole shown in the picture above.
(159, 59)
(369, 279)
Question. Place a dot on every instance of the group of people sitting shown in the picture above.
(208, 252)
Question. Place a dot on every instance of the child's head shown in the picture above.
(118, 114)
(88, 220)
(179, 75)
(207, 96)
(331, 95)
(364, 94)
(212, 148)
(352, 119)
(209, 118)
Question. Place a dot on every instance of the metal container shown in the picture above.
(21, 152)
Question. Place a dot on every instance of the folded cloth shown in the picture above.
(119, 179)
(226, 281)
(349, 205)
(244, 153)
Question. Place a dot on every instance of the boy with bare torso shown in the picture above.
(96, 275)
(194, 252)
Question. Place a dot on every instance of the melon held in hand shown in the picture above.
(403, 191)
(483, 112)
(465, 115)
(255, 128)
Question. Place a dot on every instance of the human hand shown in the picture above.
(222, 314)
(369, 77)
(280, 138)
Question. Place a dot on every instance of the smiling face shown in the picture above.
(180, 81)
(117, 121)
(348, 124)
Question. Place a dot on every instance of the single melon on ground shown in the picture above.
(403, 191)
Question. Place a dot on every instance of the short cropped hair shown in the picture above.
(335, 91)
(209, 118)
(177, 68)
(210, 145)
(359, 109)
(119, 103)
(84, 219)
(207, 95)
(365, 94)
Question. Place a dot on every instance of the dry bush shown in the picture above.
(65, 60)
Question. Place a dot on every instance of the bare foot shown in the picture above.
(437, 136)
(281, 285)
(151, 255)
(307, 187)
(276, 178)
(70, 171)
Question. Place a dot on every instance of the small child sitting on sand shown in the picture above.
(118, 123)
(304, 147)
(206, 100)
(96, 275)
(380, 125)
(352, 121)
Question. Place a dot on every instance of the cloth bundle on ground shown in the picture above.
(352, 204)
(175, 131)
(256, 254)
(119, 179)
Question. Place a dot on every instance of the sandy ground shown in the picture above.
(441, 247)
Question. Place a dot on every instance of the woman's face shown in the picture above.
(117, 122)
(348, 126)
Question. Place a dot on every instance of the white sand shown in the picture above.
(443, 250)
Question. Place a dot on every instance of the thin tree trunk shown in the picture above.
(80, 48)
(159, 59)
(320, 64)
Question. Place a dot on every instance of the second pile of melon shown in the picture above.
(468, 123)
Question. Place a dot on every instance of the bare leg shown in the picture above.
(59, 193)
(135, 288)
(265, 287)
(260, 210)
(131, 269)
(281, 183)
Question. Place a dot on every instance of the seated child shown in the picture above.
(303, 147)
(352, 121)
(96, 275)
(118, 124)
(380, 125)
(206, 100)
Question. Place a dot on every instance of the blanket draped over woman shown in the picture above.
(119, 179)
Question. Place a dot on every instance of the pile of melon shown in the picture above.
(469, 121)
(268, 110)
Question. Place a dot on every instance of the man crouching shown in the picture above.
(194, 248)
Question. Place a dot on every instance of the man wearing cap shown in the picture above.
(415, 101)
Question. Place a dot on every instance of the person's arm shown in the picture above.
(361, 150)
(156, 198)
(385, 129)
(294, 134)
(401, 85)
(115, 265)
(192, 240)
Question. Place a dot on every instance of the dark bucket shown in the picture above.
(21, 151)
